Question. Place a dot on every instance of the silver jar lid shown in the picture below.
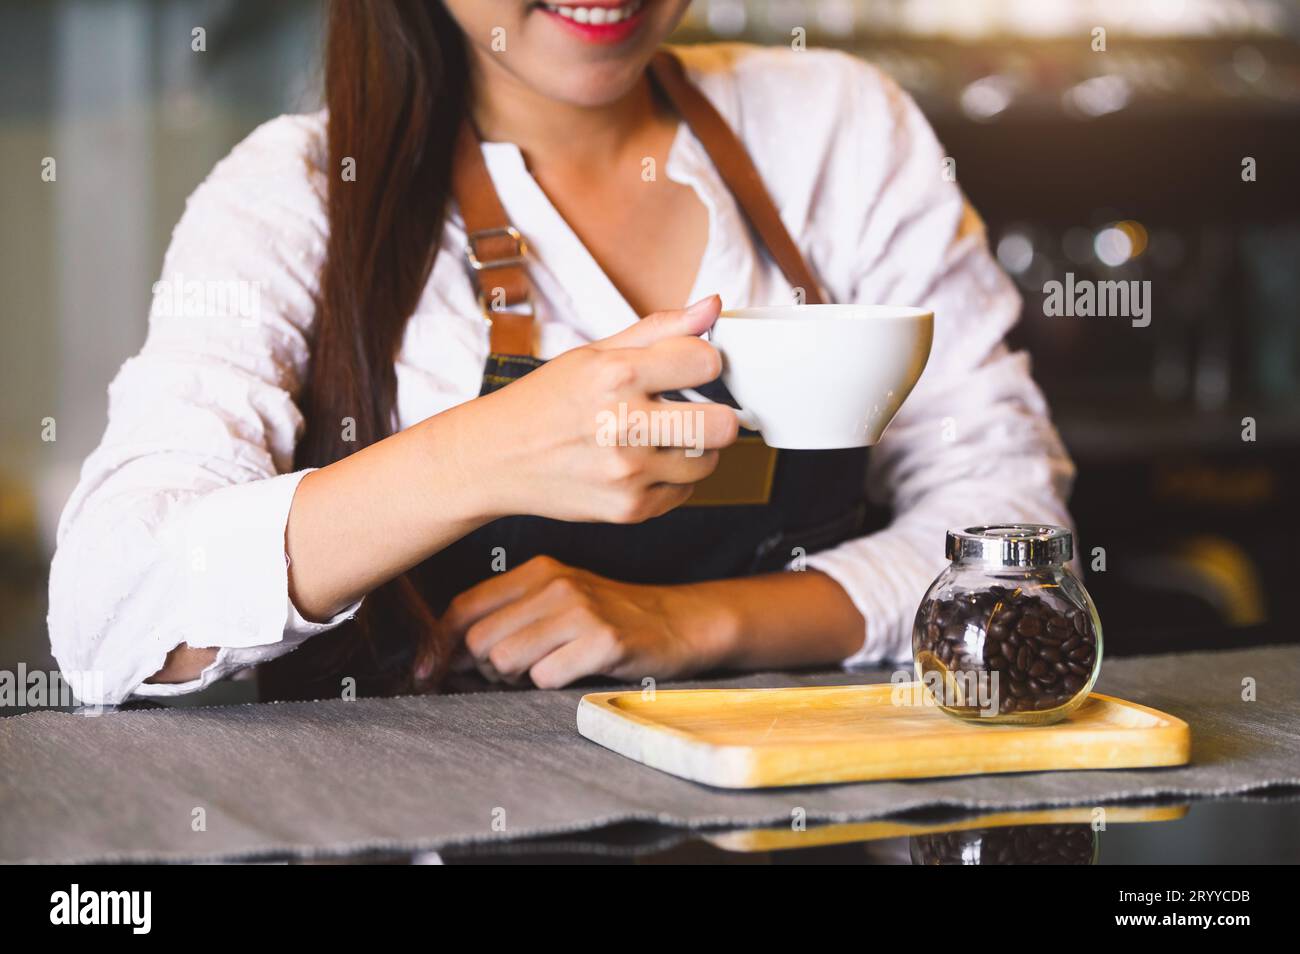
(1011, 544)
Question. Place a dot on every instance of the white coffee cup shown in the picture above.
(818, 377)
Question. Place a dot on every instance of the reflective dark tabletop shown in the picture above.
(1256, 830)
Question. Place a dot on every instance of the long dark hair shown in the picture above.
(396, 78)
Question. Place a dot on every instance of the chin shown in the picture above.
(595, 84)
(577, 68)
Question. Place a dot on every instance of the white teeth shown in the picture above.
(596, 16)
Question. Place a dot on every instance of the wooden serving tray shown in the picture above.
(755, 738)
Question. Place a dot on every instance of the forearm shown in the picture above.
(778, 620)
(363, 520)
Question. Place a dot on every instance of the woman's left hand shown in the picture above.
(556, 624)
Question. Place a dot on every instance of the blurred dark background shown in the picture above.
(1120, 164)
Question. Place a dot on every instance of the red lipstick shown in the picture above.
(597, 32)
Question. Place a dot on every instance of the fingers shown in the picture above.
(710, 426)
(513, 656)
(664, 366)
(673, 466)
(661, 423)
(593, 653)
(555, 650)
(676, 363)
(553, 596)
(656, 501)
(693, 320)
(498, 591)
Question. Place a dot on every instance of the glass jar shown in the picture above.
(1013, 845)
(1007, 633)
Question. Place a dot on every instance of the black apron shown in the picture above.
(813, 500)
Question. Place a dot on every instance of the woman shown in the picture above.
(367, 472)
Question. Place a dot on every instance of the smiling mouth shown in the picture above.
(595, 16)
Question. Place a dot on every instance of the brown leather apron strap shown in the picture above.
(494, 249)
(496, 252)
(737, 170)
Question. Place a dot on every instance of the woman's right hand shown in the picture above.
(552, 433)
(533, 447)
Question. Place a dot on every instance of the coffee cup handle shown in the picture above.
(747, 420)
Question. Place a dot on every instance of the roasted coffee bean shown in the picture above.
(1029, 625)
(1020, 845)
(1042, 655)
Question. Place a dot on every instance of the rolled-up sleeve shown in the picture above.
(974, 443)
(175, 531)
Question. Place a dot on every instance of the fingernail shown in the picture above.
(701, 306)
(423, 669)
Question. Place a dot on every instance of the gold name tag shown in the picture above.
(743, 476)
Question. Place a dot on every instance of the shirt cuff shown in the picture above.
(886, 582)
(237, 594)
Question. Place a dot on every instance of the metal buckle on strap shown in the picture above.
(476, 263)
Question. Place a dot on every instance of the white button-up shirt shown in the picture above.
(175, 533)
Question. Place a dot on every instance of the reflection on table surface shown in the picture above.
(1259, 829)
